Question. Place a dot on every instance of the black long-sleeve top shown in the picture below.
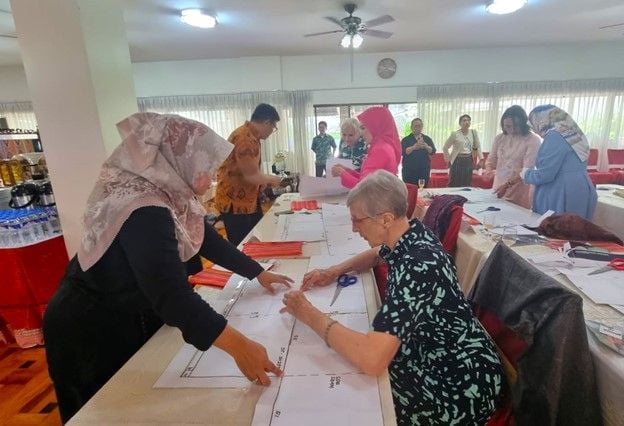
(142, 271)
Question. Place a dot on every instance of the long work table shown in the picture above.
(130, 398)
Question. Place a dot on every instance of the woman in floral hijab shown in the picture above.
(560, 174)
(144, 232)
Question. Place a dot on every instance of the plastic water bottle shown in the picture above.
(53, 219)
(15, 233)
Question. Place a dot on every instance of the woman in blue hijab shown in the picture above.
(560, 174)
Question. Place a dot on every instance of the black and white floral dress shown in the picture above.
(446, 371)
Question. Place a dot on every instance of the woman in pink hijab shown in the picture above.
(384, 152)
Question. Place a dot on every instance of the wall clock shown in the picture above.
(386, 68)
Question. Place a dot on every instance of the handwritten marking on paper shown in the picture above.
(334, 381)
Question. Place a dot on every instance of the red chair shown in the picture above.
(439, 177)
(592, 169)
(449, 239)
(412, 197)
(616, 165)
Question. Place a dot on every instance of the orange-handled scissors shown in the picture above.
(616, 264)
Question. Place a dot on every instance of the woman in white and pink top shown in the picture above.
(513, 150)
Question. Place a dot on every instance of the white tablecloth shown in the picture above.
(610, 210)
(471, 253)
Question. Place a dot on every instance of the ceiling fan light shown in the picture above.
(357, 41)
(198, 18)
(503, 7)
(346, 41)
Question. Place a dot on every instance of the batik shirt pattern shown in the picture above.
(322, 147)
(356, 153)
(446, 371)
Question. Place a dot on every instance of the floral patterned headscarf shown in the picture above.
(547, 118)
(163, 160)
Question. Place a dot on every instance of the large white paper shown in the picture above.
(323, 261)
(606, 288)
(334, 399)
(336, 215)
(214, 368)
(308, 354)
(300, 227)
(350, 300)
(507, 213)
(331, 162)
(310, 187)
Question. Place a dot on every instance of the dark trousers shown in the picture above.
(238, 226)
(320, 169)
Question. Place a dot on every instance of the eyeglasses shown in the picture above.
(356, 220)
(274, 127)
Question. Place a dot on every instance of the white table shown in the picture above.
(129, 398)
(610, 210)
(472, 251)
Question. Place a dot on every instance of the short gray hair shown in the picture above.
(380, 192)
(350, 123)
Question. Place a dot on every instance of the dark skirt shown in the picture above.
(461, 171)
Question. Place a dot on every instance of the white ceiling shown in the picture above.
(276, 27)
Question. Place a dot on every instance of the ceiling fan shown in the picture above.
(611, 26)
(354, 28)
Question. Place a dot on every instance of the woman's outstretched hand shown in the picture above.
(267, 279)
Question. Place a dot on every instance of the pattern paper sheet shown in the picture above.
(342, 394)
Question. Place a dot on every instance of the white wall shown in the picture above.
(329, 76)
(13, 86)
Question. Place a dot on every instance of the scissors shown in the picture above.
(343, 281)
(489, 209)
(616, 264)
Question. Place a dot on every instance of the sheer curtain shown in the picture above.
(596, 105)
(19, 115)
(224, 113)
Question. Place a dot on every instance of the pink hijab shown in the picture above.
(163, 160)
(379, 121)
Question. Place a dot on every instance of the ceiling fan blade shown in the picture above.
(8, 36)
(377, 33)
(611, 26)
(324, 32)
(334, 20)
(378, 21)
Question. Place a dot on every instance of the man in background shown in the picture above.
(417, 149)
(324, 147)
(240, 178)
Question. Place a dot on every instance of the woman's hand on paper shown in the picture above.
(254, 363)
(296, 304)
(319, 278)
(337, 170)
(250, 356)
(268, 278)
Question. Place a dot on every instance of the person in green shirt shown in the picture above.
(324, 147)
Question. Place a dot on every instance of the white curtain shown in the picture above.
(19, 115)
(596, 105)
(224, 113)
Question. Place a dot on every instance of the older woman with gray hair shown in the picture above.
(443, 367)
(352, 144)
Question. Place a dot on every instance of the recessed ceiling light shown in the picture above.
(502, 7)
(198, 18)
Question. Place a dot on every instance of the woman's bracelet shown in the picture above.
(326, 334)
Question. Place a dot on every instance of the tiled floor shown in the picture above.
(26, 393)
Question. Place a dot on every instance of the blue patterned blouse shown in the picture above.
(446, 371)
